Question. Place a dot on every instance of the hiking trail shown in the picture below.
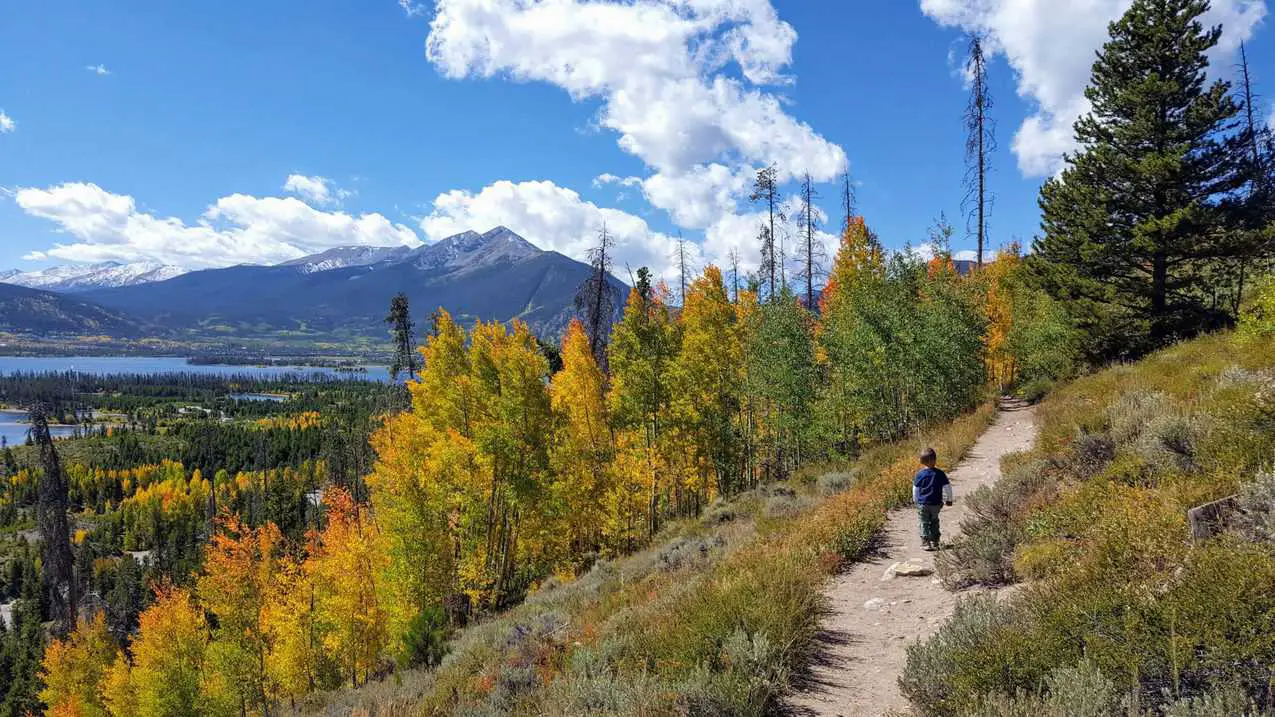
(872, 620)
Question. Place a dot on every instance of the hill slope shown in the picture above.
(493, 276)
(32, 311)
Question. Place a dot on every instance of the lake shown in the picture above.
(159, 365)
(13, 428)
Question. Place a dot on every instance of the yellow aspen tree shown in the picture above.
(167, 675)
(297, 663)
(582, 448)
(996, 278)
(348, 559)
(241, 567)
(707, 374)
(73, 669)
(643, 346)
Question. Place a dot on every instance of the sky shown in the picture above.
(212, 134)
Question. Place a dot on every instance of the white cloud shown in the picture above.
(661, 71)
(607, 178)
(551, 217)
(236, 229)
(99, 70)
(1051, 44)
(319, 190)
(411, 9)
(7, 124)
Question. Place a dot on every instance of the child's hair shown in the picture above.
(928, 455)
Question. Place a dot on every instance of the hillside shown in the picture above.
(1122, 609)
(493, 276)
(32, 311)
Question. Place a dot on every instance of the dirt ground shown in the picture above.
(874, 617)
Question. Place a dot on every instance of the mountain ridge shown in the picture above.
(496, 275)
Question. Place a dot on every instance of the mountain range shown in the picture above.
(71, 279)
(344, 292)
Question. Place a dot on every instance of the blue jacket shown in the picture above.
(931, 487)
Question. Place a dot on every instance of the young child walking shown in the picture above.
(931, 490)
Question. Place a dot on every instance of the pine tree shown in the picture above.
(980, 142)
(402, 328)
(1134, 224)
(55, 534)
(766, 190)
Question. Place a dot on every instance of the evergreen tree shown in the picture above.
(402, 328)
(766, 190)
(54, 530)
(1135, 222)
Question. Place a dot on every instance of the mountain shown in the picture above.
(72, 279)
(33, 311)
(344, 257)
(345, 292)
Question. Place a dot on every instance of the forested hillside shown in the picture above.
(641, 520)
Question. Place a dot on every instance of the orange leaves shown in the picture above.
(73, 668)
(348, 559)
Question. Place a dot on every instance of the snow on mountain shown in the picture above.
(470, 250)
(347, 256)
(91, 276)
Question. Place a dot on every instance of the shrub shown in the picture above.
(1257, 322)
(425, 642)
(1229, 700)
(1034, 390)
(1257, 507)
(994, 526)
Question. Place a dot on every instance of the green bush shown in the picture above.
(425, 642)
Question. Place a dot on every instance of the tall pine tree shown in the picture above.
(401, 329)
(1134, 225)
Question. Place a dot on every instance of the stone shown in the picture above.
(873, 604)
(911, 570)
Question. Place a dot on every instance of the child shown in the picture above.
(930, 491)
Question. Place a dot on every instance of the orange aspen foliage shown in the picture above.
(348, 559)
(73, 668)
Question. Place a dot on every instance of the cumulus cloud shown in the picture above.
(7, 124)
(1051, 45)
(99, 70)
(552, 217)
(237, 229)
(662, 72)
(318, 190)
(411, 9)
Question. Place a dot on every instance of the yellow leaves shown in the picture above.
(348, 559)
(859, 259)
(303, 421)
(73, 668)
(168, 659)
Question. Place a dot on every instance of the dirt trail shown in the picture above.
(872, 620)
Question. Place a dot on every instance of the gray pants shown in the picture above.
(929, 518)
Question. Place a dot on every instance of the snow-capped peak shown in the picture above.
(83, 277)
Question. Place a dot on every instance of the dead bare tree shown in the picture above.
(595, 304)
(980, 143)
(811, 255)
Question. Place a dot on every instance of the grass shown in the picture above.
(714, 619)
(1122, 613)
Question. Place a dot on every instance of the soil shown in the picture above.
(873, 618)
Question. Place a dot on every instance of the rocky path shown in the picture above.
(875, 615)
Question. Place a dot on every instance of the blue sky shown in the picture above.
(167, 132)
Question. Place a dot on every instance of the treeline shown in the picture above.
(70, 396)
(504, 472)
